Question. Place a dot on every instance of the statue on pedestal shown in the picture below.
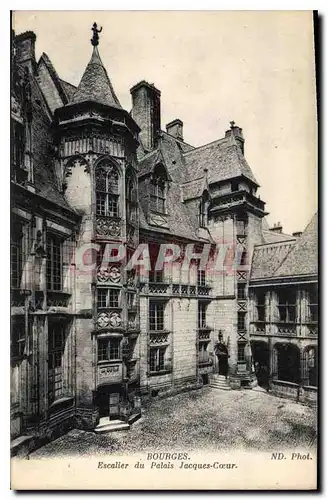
(221, 351)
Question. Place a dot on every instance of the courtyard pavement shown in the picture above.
(206, 419)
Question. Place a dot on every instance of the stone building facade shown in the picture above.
(283, 309)
(94, 190)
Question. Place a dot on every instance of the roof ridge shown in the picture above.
(204, 146)
(178, 140)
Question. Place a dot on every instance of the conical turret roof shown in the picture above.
(95, 85)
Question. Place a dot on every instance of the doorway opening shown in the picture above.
(109, 399)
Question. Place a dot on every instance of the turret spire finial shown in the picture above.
(95, 39)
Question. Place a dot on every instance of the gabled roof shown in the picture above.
(95, 85)
(296, 257)
(148, 162)
(54, 76)
(223, 159)
(267, 258)
(303, 257)
(69, 88)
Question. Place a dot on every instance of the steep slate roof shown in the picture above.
(45, 181)
(95, 84)
(223, 159)
(297, 257)
(69, 88)
(54, 75)
(267, 258)
(272, 237)
(169, 152)
(303, 258)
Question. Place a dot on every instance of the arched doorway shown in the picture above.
(286, 362)
(261, 356)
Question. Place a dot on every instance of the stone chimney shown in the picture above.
(146, 111)
(236, 133)
(24, 44)
(277, 228)
(175, 128)
(297, 234)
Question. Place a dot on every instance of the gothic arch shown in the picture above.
(77, 160)
(111, 161)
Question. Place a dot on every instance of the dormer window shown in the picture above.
(157, 188)
(107, 194)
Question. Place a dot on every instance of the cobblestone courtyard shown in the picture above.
(206, 419)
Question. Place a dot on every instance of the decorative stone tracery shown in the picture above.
(109, 319)
(108, 227)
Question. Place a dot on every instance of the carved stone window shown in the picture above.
(54, 263)
(157, 189)
(18, 338)
(56, 348)
(156, 316)
(260, 306)
(201, 277)
(109, 349)
(313, 305)
(202, 307)
(108, 297)
(157, 359)
(107, 190)
(287, 305)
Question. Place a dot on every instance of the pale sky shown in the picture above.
(256, 68)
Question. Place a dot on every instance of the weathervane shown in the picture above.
(95, 39)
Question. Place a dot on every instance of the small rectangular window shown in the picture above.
(16, 255)
(54, 263)
(156, 316)
(260, 306)
(102, 349)
(107, 297)
(287, 305)
(56, 347)
(201, 278)
(313, 305)
(241, 320)
(109, 349)
(18, 339)
(241, 351)
(157, 359)
(114, 349)
(202, 306)
(241, 291)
